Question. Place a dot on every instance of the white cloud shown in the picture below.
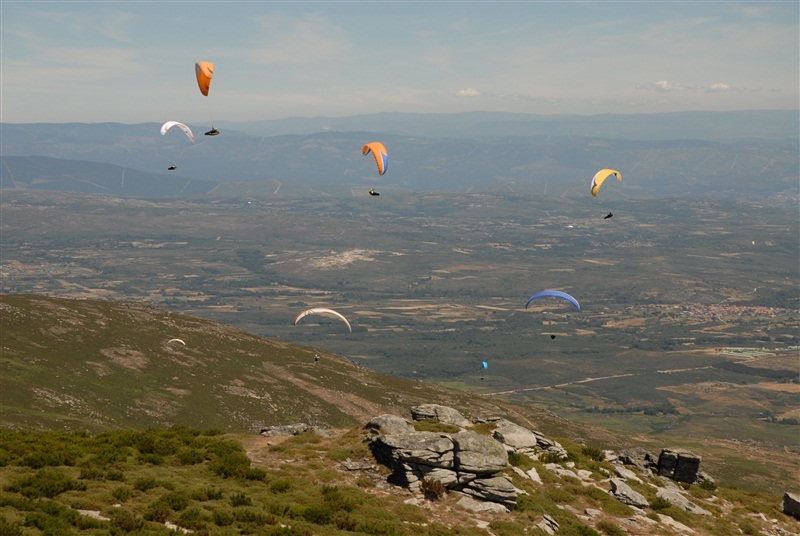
(469, 92)
(663, 86)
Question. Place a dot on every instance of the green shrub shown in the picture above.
(7, 528)
(520, 460)
(240, 499)
(341, 499)
(230, 464)
(318, 514)
(592, 453)
(707, 485)
(177, 500)
(207, 494)
(125, 520)
(609, 528)
(432, 489)
(121, 493)
(281, 485)
(659, 503)
(91, 473)
(115, 475)
(193, 519)
(222, 518)
(433, 425)
(145, 484)
(47, 482)
(190, 456)
(159, 511)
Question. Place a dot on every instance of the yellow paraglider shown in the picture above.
(600, 177)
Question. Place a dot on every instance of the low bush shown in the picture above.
(432, 489)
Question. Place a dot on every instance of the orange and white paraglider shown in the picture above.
(204, 71)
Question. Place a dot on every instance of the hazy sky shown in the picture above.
(133, 62)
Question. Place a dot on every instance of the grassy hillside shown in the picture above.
(98, 365)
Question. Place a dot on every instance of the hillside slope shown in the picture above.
(99, 365)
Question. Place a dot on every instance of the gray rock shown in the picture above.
(447, 477)
(625, 494)
(468, 503)
(639, 458)
(389, 425)
(498, 489)
(514, 435)
(442, 413)
(427, 448)
(478, 454)
(791, 504)
(533, 474)
(286, 430)
(678, 500)
(548, 524)
(626, 474)
(681, 466)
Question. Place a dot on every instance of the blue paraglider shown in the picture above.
(555, 294)
(484, 364)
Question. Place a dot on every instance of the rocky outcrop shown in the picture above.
(679, 465)
(791, 504)
(474, 465)
(464, 461)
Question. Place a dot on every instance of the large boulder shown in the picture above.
(442, 413)
(387, 424)
(498, 489)
(625, 494)
(427, 448)
(514, 435)
(679, 465)
(791, 504)
(675, 498)
(478, 454)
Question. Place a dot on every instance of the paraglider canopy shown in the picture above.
(379, 152)
(176, 340)
(601, 176)
(484, 364)
(555, 294)
(322, 311)
(204, 71)
(186, 130)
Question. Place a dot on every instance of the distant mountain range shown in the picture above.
(730, 154)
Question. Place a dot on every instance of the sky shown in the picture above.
(133, 62)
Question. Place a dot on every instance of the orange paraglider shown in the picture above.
(379, 152)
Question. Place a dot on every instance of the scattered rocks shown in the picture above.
(290, 430)
(548, 524)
